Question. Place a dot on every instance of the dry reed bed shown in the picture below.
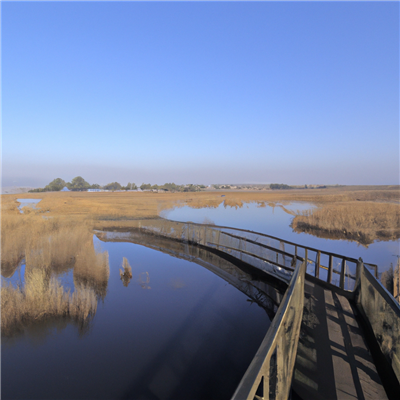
(361, 221)
(43, 297)
(109, 209)
(49, 246)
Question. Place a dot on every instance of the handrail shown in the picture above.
(278, 348)
(259, 251)
(372, 266)
(382, 314)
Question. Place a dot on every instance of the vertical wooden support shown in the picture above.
(330, 268)
(342, 271)
(317, 262)
(358, 270)
(280, 367)
(306, 257)
(295, 251)
(266, 384)
(277, 255)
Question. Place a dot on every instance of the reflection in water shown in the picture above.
(144, 280)
(126, 273)
(177, 283)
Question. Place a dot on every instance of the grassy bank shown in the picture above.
(360, 221)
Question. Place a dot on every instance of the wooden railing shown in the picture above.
(270, 373)
(264, 251)
(382, 315)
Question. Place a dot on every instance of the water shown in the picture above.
(27, 203)
(275, 220)
(177, 331)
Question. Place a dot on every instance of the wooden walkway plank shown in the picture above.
(333, 360)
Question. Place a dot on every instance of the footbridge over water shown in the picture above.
(335, 332)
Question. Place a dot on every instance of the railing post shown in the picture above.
(317, 262)
(306, 257)
(342, 271)
(358, 271)
(266, 378)
(330, 268)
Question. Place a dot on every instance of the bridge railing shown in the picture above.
(266, 252)
(270, 373)
(382, 314)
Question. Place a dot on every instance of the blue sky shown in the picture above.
(205, 92)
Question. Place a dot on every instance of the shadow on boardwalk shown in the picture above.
(333, 359)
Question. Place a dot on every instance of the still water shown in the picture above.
(275, 220)
(27, 203)
(176, 331)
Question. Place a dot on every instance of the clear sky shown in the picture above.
(204, 92)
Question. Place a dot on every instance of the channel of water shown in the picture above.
(276, 219)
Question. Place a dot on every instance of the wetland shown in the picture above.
(83, 317)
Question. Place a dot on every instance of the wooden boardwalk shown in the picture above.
(333, 360)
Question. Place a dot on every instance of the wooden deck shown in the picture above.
(333, 359)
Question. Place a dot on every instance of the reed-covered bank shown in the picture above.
(362, 212)
(363, 222)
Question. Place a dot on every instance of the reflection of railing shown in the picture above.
(382, 314)
(271, 370)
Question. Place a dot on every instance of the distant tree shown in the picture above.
(145, 186)
(36, 190)
(113, 186)
(55, 185)
(78, 184)
(279, 186)
(95, 186)
(172, 187)
(191, 188)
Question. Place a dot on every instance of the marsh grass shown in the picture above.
(43, 297)
(358, 213)
(49, 246)
(360, 221)
(92, 270)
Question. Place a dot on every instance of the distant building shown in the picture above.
(95, 190)
(64, 189)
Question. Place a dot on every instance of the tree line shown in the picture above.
(79, 184)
